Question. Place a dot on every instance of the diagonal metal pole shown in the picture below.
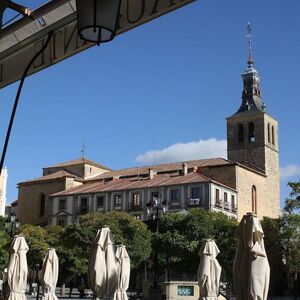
(12, 117)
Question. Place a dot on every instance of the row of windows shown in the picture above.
(219, 201)
(175, 196)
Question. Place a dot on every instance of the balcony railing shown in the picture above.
(227, 205)
(194, 202)
(219, 203)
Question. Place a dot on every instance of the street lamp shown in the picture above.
(97, 19)
(154, 207)
(37, 279)
(12, 223)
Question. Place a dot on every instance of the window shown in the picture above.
(136, 200)
(241, 133)
(254, 200)
(175, 195)
(233, 206)
(62, 203)
(218, 200)
(225, 197)
(251, 132)
(99, 202)
(185, 291)
(62, 221)
(273, 136)
(196, 192)
(155, 196)
(42, 205)
(84, 205)
(269, 133)
(117, 200)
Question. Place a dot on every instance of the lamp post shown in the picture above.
(12, 223)
(37, 279)
(154, 207)
(97, 19)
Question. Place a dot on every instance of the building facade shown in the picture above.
(33, 197)
(181, 189)
(3, 182)
(247, 181)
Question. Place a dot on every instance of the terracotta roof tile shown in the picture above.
(135, 183)
(162, 168)
(56, 175)
(77, 162)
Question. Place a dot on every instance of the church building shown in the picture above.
(248, 180)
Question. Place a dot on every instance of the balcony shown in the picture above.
(219, 203)
(194, 202)
(227, 205)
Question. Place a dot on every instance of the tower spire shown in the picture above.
(249, 36)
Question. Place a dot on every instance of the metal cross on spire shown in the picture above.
(249, 36)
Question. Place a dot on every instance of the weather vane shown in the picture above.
(249, 36)
(83, 150)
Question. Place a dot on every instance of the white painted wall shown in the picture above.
(3, 181)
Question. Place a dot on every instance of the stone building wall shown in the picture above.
(30, 196)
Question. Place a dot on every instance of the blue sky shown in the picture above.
(171, 81)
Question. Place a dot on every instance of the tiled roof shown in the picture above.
(78, 161)
(135, 183)
(162, 168)
(56, 175)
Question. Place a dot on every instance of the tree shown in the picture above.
(126, 230)
(290, 233)
(181, 235)
(292, 204)
(36, 239)
(274, 250)
(4, 245)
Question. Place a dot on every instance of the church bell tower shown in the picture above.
(252, 141)
(252, 134)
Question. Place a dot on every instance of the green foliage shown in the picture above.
(2, 223)
(36, 240)
(290, 231)
(76, 240)
(4, 245)
(274, 249)
(292, 204)
(180, 239)
(290, 239)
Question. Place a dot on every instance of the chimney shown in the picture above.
(184, 169)
(151, 174)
